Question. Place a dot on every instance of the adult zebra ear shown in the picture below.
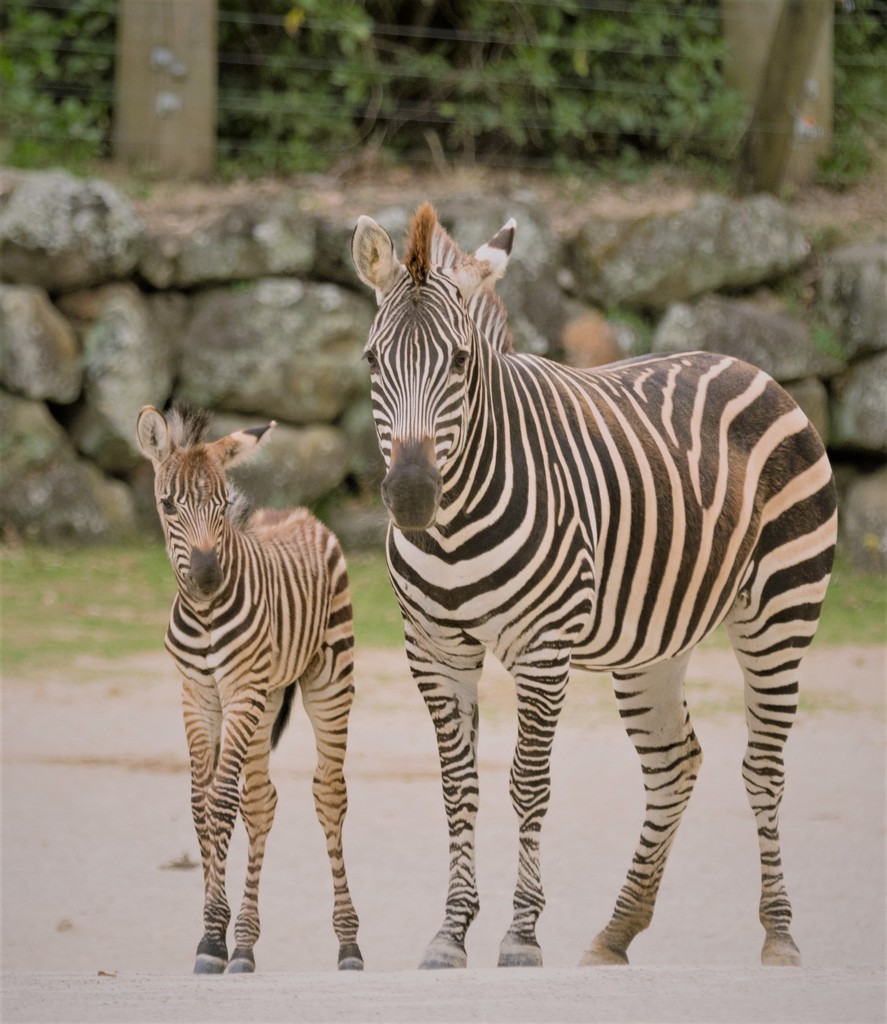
(242, 445)
(372, 253)
(154, 436)
(484, 268)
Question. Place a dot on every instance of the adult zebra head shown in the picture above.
(421, 351)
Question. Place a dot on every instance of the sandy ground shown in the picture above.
(100, 918)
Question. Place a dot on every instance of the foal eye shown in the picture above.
(168, 506)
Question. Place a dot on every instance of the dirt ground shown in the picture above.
(102, 895)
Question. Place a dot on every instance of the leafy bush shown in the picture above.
(306, 83)
(56, 78)
(553, 82)
(860, 87)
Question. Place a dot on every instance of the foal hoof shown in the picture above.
(242, 962)
(780, 951)
(513, 952)
(350, 958)
(443, 954)
(602, 955)
(206, 963)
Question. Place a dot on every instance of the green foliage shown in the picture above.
(860, 89)
(305, 84)
(552, 82)
(56, 78)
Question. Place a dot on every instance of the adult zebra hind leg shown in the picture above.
(770, 626)
(651, 703)
(327, 694)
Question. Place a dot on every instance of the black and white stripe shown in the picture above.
(608, 519)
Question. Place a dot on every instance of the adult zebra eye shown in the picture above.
(460, 359)
(372, 361)
(168, 506)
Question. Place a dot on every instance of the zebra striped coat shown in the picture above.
(263, 606)
(606, 518)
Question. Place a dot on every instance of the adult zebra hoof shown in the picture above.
(350, 958)
(242, 962)
(513, 952)
(780, 951)
(442, 954)
(602, 955)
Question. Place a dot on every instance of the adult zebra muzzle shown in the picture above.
(412, 487)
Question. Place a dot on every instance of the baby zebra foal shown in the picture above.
(263, 606)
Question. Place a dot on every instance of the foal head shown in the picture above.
(198, 507)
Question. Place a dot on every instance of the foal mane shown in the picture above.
(429, 245)
(189, 426)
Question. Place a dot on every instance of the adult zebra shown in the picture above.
(263, 607)
(607, 518)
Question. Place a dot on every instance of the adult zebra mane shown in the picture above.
(189, 426)
(428, 244)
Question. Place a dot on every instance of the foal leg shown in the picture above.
(448, 684)
(541, 677)
(258, 802)
(202, 713)
(327, 693)
(651, 703)
(216, 808)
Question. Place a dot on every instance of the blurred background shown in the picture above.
(180, 179)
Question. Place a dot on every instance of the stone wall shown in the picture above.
(251, 309)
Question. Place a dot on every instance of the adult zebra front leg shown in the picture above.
(541, 677)
(448, 683)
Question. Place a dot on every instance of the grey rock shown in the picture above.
(859, 406)
(280, 348)
(864, 521)
(238, 242)
(812, 396)
(57, 498)
(853, 297)
(63, 233)
(359, 525)
(128, 363)
(537, 308)
(39, 354)
(778, 344)
(365, 462)
(297, 465)
(657, 260)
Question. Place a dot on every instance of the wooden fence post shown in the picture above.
(166, 85)
(782, 61)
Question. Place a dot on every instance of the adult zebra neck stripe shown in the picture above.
(412, 487)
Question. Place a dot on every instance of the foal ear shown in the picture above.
(372, 253)
(154, 436)
(242, 445)
(487, 265)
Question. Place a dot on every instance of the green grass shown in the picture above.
(109, 602)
